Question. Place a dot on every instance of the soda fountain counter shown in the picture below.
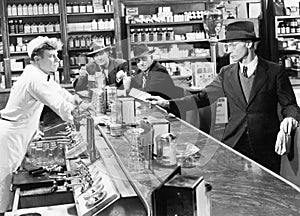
(121, 166)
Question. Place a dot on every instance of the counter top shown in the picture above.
(240, 186)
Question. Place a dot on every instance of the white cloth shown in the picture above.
(27, 98)
(251, 67)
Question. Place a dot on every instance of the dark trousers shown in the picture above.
(268, 159)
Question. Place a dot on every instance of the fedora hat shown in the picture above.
(241, 30)
(97, 46)
(141, 50)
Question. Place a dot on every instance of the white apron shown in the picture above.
(15, 138)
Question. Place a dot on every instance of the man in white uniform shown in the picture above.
(20, 118)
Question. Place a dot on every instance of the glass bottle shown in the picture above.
(56, 9)
(20, 10)
(16, 25)
(35, 9)
(69, 8)
(71, 43)
(25, 10)
(154, 34)
(21, 27)
(30, 9)
(51, 8)
(159, 34)
(9, 13)
(11, 27)
(46, 8)
(14, 10)
(40, 9)
(27, 28)
(146, 34)
(82, 42)
(132, 34)
(151, 34)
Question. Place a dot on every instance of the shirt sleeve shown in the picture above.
(52, 96)
(63, 92)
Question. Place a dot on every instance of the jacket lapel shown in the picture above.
(259, 80)
(235, 87)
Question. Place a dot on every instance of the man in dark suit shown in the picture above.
(152, 77)
(103, 63)
(253, 88)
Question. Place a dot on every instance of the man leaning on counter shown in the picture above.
(19, 120)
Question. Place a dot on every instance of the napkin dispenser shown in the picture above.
(183, 195)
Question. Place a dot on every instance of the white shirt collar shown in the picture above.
(251, 67)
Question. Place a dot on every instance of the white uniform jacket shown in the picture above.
(20, 119)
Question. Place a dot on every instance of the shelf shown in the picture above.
(79, 49)
(287, 17)
(294, 51)
(33, 16)
(90, 14)
(19, 53)
(288, 35)
(90, 31)
(34, 34)
(193, 58)
(166, 23)
(171, 42)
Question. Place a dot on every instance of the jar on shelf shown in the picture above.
(89, 7)
(82, 7)
(75, 8)
(71, 43)
(69, 8)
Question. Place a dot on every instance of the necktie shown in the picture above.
(245, 71)
(145, 75)
(48, 77)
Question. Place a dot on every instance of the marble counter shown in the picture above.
(239, 186)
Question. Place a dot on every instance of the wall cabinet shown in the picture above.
(287, 33)
(75, 23)
(175, 31)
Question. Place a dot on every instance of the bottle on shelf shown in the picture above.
(16, 25)
(9, 13)
(35, 9)
(40, 9)
(75, 8)
(46, 8)
(71, 43)
(20, 10)
(56, 8)
(11, 27)
(94, 24)
(25, 10)
(51, 8)
(14, 10)
(30, 9)
(21, 27)
(69, 8)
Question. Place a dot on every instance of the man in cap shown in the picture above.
(152, 77)
(104, 63)
(19, 120)
(253, 88)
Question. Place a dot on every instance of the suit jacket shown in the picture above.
(114, 66)
(260, 115)
(158, 82)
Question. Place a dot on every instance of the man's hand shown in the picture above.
(288, 124)
(120, 75)
(281, 142)
(157, 100)
(85, 107)
(83, 72)
(77, 100)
